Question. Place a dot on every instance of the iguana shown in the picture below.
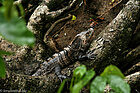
(76, 50)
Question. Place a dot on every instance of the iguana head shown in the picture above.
(82, 40)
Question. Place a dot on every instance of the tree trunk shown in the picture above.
(111, 44)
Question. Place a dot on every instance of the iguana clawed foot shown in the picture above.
(58, 73)
(88, 55)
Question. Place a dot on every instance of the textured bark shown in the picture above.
(136, 37)
(132, 58)
(134, 81)
(108, 46)
(112, 42)
(40, 21)
(32, 84)
(134, 68)
(42, 16)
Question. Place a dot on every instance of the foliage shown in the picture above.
(79, 73)
(111, 75)
(13, 28)
(61, 86)
(98, 85)
(112, 70)
(83, 81)
(73, 17)
(1, 1)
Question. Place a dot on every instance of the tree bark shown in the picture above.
(134, 68)
(134, 81)
(40, 84)
(132, 58)
(111, 44)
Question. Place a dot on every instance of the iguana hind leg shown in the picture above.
(58, 72)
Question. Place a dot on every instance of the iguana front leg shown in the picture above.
(91, 54)
(87, 55)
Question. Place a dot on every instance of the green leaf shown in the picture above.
(80, 71)
(15, 31)
(61, 86)
(4, 53)
(118, 84)
(1, 1)
(112, 70)
(98, 85)
(8, 4)
(73, 17)
(71, 84)
(2, 18)
(88, 76)
(21, 9)
(2, 68)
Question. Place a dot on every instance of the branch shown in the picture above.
(132, 58)
(134, 81)
(133, 69)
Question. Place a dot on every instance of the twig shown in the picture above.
(54, 24)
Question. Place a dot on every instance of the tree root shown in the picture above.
(133, 69)
(114, 39)
(134, 81)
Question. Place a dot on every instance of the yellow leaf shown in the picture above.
(113, 1)
(73, 17)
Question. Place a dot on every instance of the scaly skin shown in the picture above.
(73, 52)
